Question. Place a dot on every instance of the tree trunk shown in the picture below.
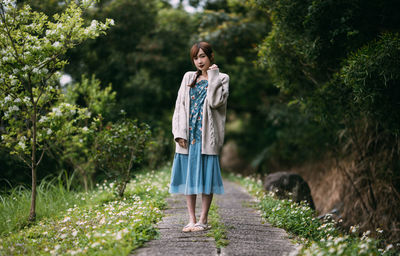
(32, 214)
(85, 182)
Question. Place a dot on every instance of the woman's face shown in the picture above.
(201, 61)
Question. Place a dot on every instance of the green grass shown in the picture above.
(52, 198)
(318, 237)
(218, 229)
(97, 223)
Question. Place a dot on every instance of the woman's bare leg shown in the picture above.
(205, 207)
(191, 205)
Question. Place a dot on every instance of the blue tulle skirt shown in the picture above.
(195, 173)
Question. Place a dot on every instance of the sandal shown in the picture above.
(200, 226)
(189, 227)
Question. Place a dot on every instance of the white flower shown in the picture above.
(66, 219)
(56, 44)
(366, 233)
(9, 2)
(57, 112)
(22, 145)
(95, 244)
(49, 32)
(49, 131)
(13, 108)
(17, 100)
(74, 233)
(353, 229)
(85, 129)
(388, 247)
(7, 98)
(119, 235)
(43, 119)
(111, 22)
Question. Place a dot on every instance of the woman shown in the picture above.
(198, 126)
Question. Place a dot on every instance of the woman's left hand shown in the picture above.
(213, 66)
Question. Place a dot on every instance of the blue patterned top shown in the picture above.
(197, 95)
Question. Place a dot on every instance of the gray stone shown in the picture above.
(290, 186)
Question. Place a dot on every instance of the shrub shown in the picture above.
(119, 149)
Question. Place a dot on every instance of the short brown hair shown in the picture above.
(207, 49)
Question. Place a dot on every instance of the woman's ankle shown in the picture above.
(203, 221)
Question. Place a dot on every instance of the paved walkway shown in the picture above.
(247, 234)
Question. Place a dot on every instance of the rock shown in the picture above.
(290, 186)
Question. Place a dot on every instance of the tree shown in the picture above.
(33, 47)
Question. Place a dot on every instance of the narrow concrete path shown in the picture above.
(172, 240)
(247, 234)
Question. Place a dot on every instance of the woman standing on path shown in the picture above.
(198, 126)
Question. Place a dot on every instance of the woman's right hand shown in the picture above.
(182, 142)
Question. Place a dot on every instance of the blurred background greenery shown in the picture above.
(310, 82)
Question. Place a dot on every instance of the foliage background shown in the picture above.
(311, 82)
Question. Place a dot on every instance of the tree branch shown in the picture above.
(41, 157)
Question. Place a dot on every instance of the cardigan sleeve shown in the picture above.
(179, 116)
(218, 88)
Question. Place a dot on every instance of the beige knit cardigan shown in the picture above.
(214, 112)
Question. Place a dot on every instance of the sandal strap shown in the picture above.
(203, 225)
(191, 224)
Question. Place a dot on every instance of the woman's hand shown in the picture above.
(213, 66)
(182, 142)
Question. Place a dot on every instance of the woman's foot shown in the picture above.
(189, 227)
(200, 226)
